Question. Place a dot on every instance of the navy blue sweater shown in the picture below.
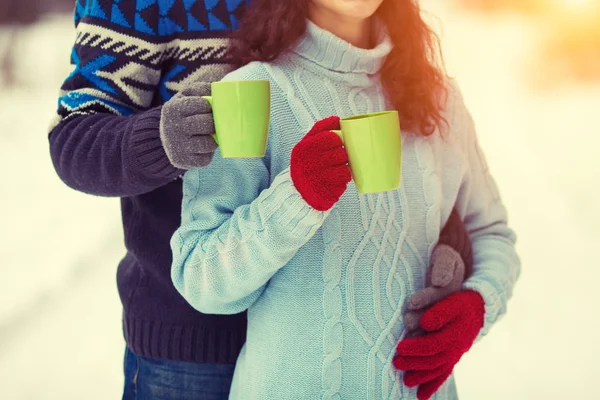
(131, 56)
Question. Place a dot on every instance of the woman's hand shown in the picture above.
(319, 167)
(452, 325)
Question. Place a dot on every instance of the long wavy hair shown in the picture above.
(412, 75)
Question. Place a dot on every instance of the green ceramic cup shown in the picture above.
(374, 149)
(241, 110)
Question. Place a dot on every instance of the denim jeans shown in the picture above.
(150, 379)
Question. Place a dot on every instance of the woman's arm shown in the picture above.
(238, 230)
(455, 323)
(496, 266)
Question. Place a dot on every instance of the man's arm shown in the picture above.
(455, 235)
(106, 139)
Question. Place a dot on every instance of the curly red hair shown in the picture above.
(412, 74)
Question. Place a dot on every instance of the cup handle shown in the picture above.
(210, 101)
(340, 134)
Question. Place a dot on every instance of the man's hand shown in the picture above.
(445, 277)
(186, 126)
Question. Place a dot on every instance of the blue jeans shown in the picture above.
(150, 379)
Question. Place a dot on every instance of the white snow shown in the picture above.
(60, 316)
(60, 330)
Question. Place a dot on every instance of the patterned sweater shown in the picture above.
(325, 291)
(129, 57)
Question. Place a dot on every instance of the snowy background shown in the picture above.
(60, 316)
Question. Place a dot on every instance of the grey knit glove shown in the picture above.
(445, 277)
(186, 126)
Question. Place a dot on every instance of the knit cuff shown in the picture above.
(455, 235)
(147, 152)
(493, 299)
(283, 205)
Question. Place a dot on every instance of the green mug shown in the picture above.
(374, 149)
(241, 110)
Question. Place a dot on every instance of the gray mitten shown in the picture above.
(186, 126)
(445, 277)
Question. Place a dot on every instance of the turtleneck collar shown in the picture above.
(333, 53)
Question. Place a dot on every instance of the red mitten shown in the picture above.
(318, 165)
(452, 325)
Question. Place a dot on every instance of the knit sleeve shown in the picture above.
(105, 140)
(496, 266)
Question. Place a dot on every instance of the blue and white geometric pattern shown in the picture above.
(164, 17)
(127, 49)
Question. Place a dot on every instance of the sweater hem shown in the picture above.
(199, 344)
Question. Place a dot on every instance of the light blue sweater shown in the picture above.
(325, 291)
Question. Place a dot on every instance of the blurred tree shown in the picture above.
(572, 43)
(570, 47)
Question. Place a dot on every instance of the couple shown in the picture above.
(275, 268)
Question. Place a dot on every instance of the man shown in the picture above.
(130, 122)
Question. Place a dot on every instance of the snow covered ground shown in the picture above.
(60, 334)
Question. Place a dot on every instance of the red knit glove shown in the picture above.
(453, 325)
(319, 165)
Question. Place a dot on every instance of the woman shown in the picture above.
(323, 272)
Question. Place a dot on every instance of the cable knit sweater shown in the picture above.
(325, 291)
